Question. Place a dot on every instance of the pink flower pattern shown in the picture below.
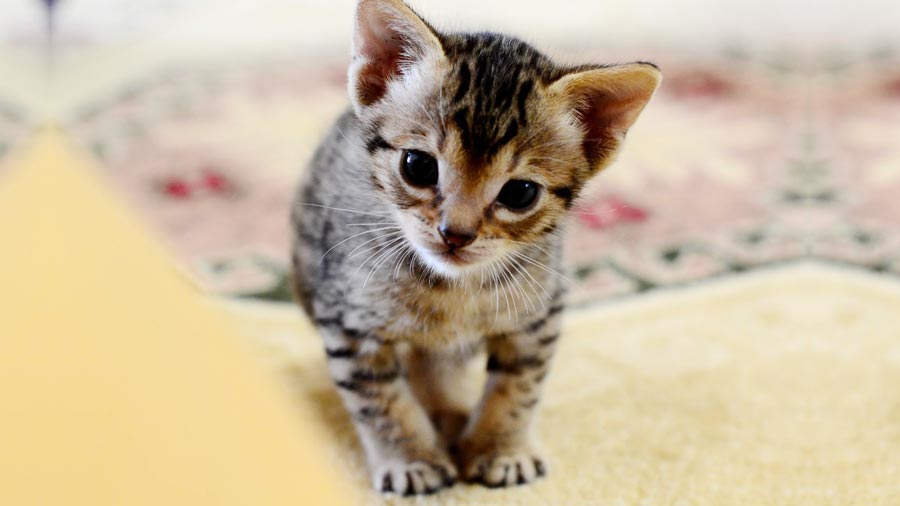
(740, 163)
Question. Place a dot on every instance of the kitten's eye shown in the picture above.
(419, 169)
(518, 195)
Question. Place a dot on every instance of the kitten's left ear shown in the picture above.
(389, 40)
(606, 102)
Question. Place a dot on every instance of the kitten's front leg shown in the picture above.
(438, 378)
(401, 446)
(497, 448)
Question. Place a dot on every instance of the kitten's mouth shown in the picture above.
(447, 260)
(456, 256)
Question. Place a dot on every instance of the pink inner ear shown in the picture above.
(606, 117)
(598, 119)
(378, 46)
(373, 78)
(384, 40)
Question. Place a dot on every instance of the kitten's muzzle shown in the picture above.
(456, 239)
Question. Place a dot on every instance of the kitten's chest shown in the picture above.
(450, 316)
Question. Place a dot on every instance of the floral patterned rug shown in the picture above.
(739, 162)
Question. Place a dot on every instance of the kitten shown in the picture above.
(430, 227)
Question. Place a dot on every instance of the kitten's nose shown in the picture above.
(455, 238)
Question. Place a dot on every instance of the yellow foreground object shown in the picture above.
(119, 385)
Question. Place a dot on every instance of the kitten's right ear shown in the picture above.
(389, 39)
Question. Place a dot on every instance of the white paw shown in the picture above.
(505, 468)
(416, 477)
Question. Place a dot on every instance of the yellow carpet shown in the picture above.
(776, 388)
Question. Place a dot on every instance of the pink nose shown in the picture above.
(455, 238)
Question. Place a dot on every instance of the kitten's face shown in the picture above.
(473, 183)
(479, 141)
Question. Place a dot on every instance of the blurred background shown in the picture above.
(734, 273)
(782, 115)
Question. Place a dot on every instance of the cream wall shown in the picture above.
(325, 23)
(103, 43)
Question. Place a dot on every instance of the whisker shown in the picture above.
(379, 249)
(402, 259)
(341, 209)
(390, 253)
(505, 297)
(441, 112)
(527, 301)
(531, 281)
(528, 279)
(541, 265)
(351, 237)
(355, 251)
(348, 139)
(496, 295)
(513, 285)
(427, 112)
(534, 245)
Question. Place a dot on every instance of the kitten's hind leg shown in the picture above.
(442, 381)
(401, 445)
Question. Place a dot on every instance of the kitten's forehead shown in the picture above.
(491, 81)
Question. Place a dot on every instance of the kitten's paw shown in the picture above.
(418, 477)
(503, 466)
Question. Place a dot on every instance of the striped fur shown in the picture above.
(399, 318)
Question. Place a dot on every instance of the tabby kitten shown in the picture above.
(430, 227)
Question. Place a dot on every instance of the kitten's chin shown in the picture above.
(451, 265)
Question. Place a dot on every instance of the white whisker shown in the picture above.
(542, 266)
(341, 209)
(496, 295)
(534, 245)
(505, 297)
(402, 259)
(351, 237)
(512, 284)
(527, 300)
(355, 251)
(379, 249)
(531, 280)
(389, 254)
(348, 139)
